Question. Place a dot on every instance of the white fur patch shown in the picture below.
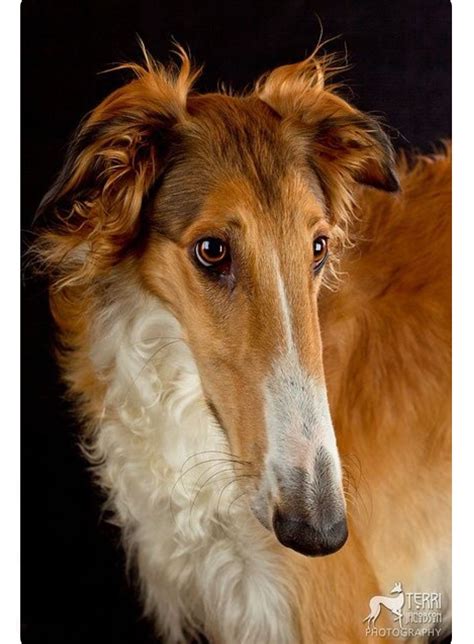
(297, 416)
(204, 561)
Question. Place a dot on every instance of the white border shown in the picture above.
(463, 321)
(463, 291)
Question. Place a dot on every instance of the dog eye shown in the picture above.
(212, 253)
(320, 252)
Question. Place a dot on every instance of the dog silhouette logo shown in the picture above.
(394, 603)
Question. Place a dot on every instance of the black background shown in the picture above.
(74, 589)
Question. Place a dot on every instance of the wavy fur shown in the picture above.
(129, 308)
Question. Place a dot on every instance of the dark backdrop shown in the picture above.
(73, 586)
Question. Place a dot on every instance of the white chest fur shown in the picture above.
(202, 559)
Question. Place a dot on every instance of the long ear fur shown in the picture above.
(92, 210)
(345, 145)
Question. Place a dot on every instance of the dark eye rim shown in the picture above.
(219, 266)
(318, 264)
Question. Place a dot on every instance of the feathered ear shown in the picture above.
(356, 142)
(345, 145)
(92, 212)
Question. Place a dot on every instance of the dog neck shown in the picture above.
(202, 558)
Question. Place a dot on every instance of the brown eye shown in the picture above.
(320, 252)
(213, 253)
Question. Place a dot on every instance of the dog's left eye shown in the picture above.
(320, 252)
(212, 253)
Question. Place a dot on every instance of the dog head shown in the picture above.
(228, 208)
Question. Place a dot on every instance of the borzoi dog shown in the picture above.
(207, 254)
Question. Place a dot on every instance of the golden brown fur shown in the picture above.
(387, 355)
(385, 329)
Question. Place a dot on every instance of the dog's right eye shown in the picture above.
(212, 253)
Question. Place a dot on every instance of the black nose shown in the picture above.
(308, 539)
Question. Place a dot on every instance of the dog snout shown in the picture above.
(308, 536)
(309, 511)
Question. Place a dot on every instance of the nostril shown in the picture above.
(294, 533)
(337, 535)
(308, 538)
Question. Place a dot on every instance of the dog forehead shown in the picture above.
(245, 122)
(234, 152)
(238, 136)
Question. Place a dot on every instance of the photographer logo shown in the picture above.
(415, 614)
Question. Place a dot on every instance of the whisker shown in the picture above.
(239, 496)
(203, 486)
(240, 476)
(213, 451)
(230, 458)
(353, 494)
(216, 460)
(227, 458)
(183, 474)
(212, 466)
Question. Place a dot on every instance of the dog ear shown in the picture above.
(344, 145)
(92, 212)
(357, 144)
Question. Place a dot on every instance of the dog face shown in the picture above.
(227, 208)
